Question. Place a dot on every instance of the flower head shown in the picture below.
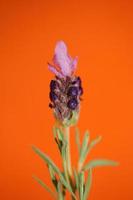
(66, 89)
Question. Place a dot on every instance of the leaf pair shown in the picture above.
(84, 149)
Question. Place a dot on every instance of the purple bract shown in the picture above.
(63, 64)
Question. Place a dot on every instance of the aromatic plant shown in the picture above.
(66, 92)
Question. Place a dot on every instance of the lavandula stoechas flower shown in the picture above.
(66, 89)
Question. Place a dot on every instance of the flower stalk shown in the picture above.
(68, 150)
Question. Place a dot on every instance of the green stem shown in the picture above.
(67, 159)
(67, 135)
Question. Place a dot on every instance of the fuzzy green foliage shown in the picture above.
(78, 184)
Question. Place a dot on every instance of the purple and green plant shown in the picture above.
(65, 95)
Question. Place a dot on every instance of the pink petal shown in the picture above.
(53, 69)
(62, 59)
(60, 46)
(74, 63)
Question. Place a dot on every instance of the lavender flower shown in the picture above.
(66, 89)
(65, 95)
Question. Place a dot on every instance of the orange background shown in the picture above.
(100, 34)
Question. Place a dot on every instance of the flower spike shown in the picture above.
(66, 88)
(65, 98)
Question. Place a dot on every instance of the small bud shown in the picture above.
(52, 96)
(72, 103)
(53, 84)
(80, 90)
(73, 91)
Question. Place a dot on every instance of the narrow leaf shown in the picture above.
(84, 144)
(88, 185)
(89, 147)
(46, 159)
(93, 143)
(83, 150)
(60, 134)
(55, 168)
(76, 179)
(52, 174)
(60, 194)
(99, 163)
(44, 186)
(81, 185)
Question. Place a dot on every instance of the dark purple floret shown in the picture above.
(53, 85)
(73, 91)
(53, 96)
(50, 105)
(65, 96)
(80, 90)
(72, 103)
(79, 81)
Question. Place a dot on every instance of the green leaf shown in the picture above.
(87, 150)
(52, 174)
(46, 159)
(88, 184)
(99, 163)
(60, 194)
(84, 145)
(76, 179)
(83, 150)
(93, 143)
(78, 139)
(44, 186)
(81, 185)
(55, 168)
(58, 136)
(53, 177)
